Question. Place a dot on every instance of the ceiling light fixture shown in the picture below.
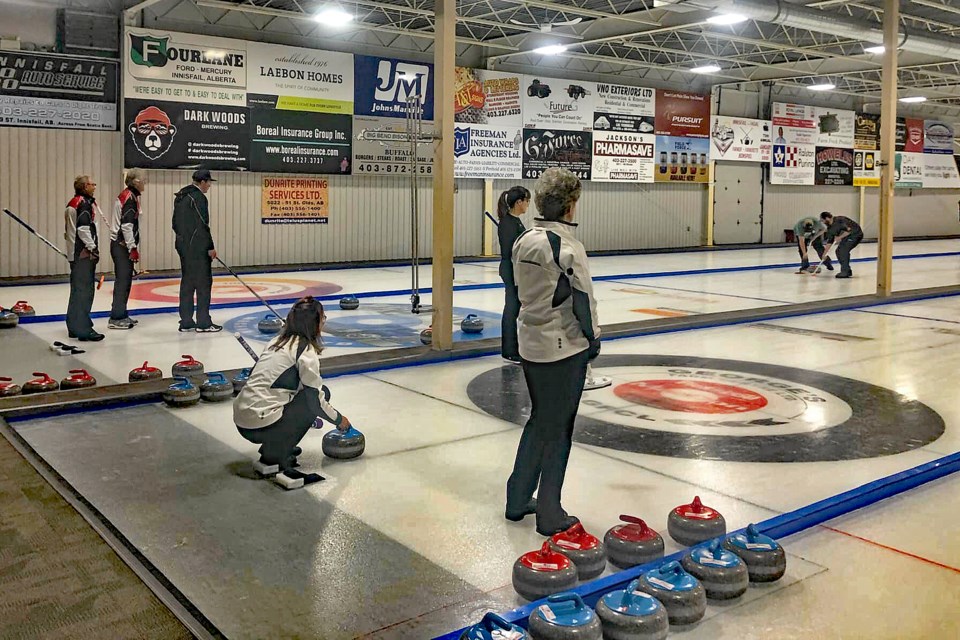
(876, 49)
(550, 49)
(727, 18)
(914, 99)
(707, 68)
(333, 17)
(826, 86)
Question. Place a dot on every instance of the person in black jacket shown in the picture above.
(194, 244)
(80, 232)
(512, 204)
(846, 234)
(125, 246)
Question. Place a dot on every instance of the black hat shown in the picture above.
(202, 174)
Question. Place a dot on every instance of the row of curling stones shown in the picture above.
(146, 372)
(43, 383)
(184, 393)
(472, 324)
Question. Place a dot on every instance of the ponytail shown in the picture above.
(509, 199)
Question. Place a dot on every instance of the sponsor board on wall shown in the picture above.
(624, 108)
(940, 171)
(383, 86)
(682, 114)
(183, 67)
(866, 133)
(740, 139)
(835, 127)
(178, 135)
(57, 91)
(300, 142)
(681, 159)
(909, 135)
(547, 148)
(380, 146)
(488, 116)
(834, 166)
(866, 168)
(622, 157)
(937, 137)
(908, 170)
(287, 200)
(552, 103)
(295, 79)
(793, 164)
(794, 125)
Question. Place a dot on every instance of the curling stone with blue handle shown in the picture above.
(632, 614)
(426, 336)
(270, 325)
(632, 543)
(764, 557)
(343, 445)
(216, 388)
(722, 573)
(539, 573)
(349, 303)
(584, 550)
(8, 319)
(565, 617)
(678, 591)
(493, 627)
(181, 393)
(240, 380)
(472, 324)
(693, 523)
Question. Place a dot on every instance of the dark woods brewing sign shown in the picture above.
(547, 148)
(57, 91)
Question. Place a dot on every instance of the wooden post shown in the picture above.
(711, 195)
(444, 60)
(888, 129)
(489, 205)
(862, 215)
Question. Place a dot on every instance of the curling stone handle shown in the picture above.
(493, 622)
(216, 377)
(567, 597)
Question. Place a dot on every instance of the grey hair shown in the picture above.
(557, 191)
(132, 175)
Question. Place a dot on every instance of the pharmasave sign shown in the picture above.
(57, 91)
(182, 67)
(622, 157)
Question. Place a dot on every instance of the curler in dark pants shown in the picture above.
(123, 278)
(278, 440)
(196, 277)
(82, 288)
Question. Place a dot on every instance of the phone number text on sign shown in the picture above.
(294, 201)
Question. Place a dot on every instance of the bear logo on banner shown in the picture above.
(461, 141)
(152, 132)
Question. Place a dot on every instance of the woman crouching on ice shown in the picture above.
(285, 394)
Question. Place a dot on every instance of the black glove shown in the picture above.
(594, 349)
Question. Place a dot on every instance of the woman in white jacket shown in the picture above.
(285, 394)
(559, 334)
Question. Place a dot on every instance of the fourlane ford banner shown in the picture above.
(57, 91)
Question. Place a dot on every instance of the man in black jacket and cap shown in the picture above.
(194, 243)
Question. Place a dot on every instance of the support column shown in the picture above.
(888, 130)
(711, 195)
(489, 206)
(862, 219)
(444, 61)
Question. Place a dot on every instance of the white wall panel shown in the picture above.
(916, 212)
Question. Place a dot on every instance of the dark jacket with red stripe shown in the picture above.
(191, 222)
(125, 221)
(80, 228)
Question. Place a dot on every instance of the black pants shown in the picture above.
(196, 277)
(555, 389)
(123, 277)
(843, 252)
(817, 246)
(508, 321)
(82, 287)
(279, 439)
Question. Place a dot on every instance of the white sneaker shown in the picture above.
(119, 324)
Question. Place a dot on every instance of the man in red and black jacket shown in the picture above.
(125, 246)
(80, 232)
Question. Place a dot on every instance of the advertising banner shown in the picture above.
(834, 166)
(937, 137)
(294, 200)
(793, 164)
(300, 142)
(940, 172)
(183, 67)
(740, 139)
(382, 86)
(294, 79)
(682, 114)
(794, 125)
(623, 108)
(866, 168)
(57, 91)
(622, 157)
(550, 103)
(547, 148)
(866, 133)
(836, 127)
(909, 135)
(488, 113)
(908, 170)
(380, 146)
(178, 135)
(681, 159)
